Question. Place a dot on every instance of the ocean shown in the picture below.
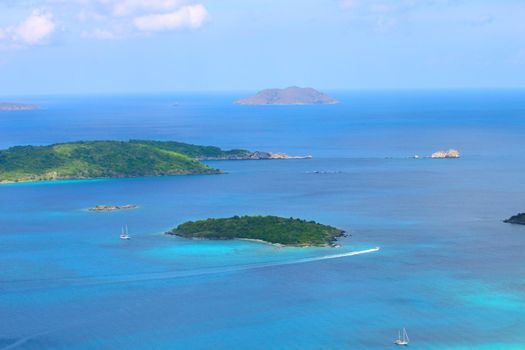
(448, 268)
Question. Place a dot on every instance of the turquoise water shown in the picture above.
(448, 270)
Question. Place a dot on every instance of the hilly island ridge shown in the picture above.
(292, 95)
(115, 159)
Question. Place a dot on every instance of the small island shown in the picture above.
(292, 95)
(115, 159)
(518, 219)
(9, 106)
(270, 229)
(113, 207)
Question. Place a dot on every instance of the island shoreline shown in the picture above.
(86, 179)
(261, 241)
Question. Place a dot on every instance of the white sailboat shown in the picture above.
(124, 233)
(402, 340)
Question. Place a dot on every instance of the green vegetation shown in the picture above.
(272, 229)
(517, 219)
(194, 151)
(104, 159)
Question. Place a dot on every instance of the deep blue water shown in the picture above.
(448, 270)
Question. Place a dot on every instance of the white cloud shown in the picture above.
(86, 15)
(388, 5)
(384, 24)
(186, 17)
(99, 33)
(382, 8)
(100, 19)
(386, 15)
(348, 4)
(482, 20)
(129, 7)
(34, 30)
(518, 57)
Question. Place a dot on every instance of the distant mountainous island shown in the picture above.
(8, 106)
(114, 159)
(292, 95)
(271, 229)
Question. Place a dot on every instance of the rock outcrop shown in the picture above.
(8, 106)
(112, 207)
(451, 153)
(518, 219)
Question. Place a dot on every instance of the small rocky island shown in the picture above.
(253, 156)
(116, 159)
(292, 95)
(113, 207)
(516, 219)
(451, 153)
(9, 106)
(270, 229)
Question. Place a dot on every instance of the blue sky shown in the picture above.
(127, 46)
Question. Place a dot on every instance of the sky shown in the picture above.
(151, 46)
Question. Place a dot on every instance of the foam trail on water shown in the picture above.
(24, 340)
(336, 256)
(115, 279)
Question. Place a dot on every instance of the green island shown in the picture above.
(516, 219)
(112, 159)
(270, 229)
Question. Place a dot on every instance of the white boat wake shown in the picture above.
(24, 340)
(13, 286)
(337, 256)
(130, 278)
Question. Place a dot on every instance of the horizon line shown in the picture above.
(245, 91)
